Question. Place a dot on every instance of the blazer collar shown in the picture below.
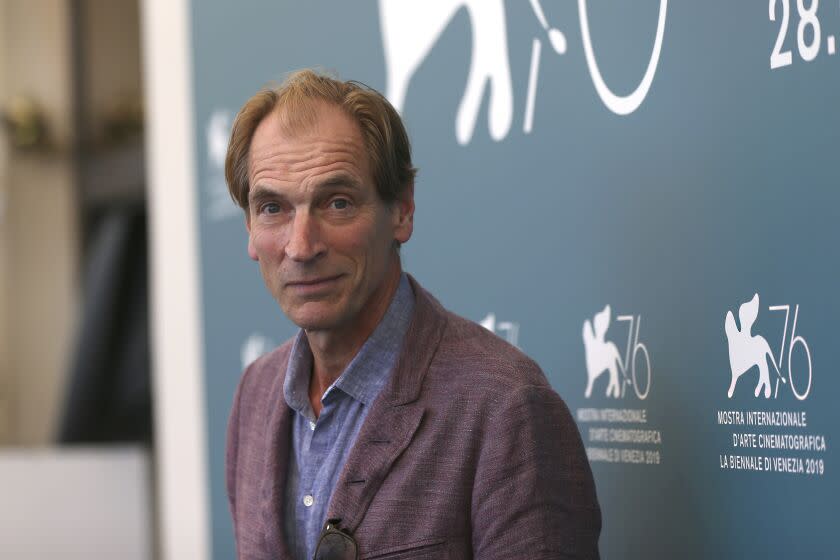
(419, 347)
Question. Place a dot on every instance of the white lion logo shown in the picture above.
(747, 351)
(601, 354)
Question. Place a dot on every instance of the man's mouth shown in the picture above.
(312, 283)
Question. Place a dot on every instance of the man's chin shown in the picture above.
(315, 325)
(310, 318)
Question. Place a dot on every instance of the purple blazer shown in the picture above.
(466, 453)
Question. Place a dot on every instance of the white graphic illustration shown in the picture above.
(622, 105)
(748, 351)
(558, 41)
(410, 30)
(217, 133)
(603, 355)
(254, 346)
(505, 329)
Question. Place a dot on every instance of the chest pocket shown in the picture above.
(435, 549)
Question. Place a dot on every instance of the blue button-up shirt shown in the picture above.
(320, 446)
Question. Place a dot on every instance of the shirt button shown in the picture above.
(308, 500)
(312, 426)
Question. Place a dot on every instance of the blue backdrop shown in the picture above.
(600, 183)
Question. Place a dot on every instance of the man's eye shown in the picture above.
(340, 203)
(270, 208)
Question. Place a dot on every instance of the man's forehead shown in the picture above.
(331, 134)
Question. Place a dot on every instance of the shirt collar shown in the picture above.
(369, 369)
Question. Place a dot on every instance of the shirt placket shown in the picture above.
(316, 450)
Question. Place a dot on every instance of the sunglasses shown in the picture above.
(336, 543)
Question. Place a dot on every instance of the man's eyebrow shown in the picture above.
(260, 193)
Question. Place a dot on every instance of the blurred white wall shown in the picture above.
(78, 504)
(178, 379)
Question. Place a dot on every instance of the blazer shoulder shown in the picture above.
(263, 374)
(473, 351)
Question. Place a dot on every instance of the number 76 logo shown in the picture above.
(747, 351)
(602, 355)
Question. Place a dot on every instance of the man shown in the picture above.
(416, 433)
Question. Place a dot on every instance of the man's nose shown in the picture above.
(304, 242)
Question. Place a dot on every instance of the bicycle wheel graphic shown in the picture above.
(621, 105)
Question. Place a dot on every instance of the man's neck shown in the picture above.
(333, 350)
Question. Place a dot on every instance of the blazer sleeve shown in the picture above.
(534, 495)
(232, 452)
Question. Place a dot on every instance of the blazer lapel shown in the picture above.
(393, 418)
(377, 446)
(278, 438)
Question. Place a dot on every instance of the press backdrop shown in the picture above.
(600, 183)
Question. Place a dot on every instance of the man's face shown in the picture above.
(323, 237)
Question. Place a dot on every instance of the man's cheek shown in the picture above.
(261, 244)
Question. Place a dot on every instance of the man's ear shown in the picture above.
(252, 252)
(404, 214)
